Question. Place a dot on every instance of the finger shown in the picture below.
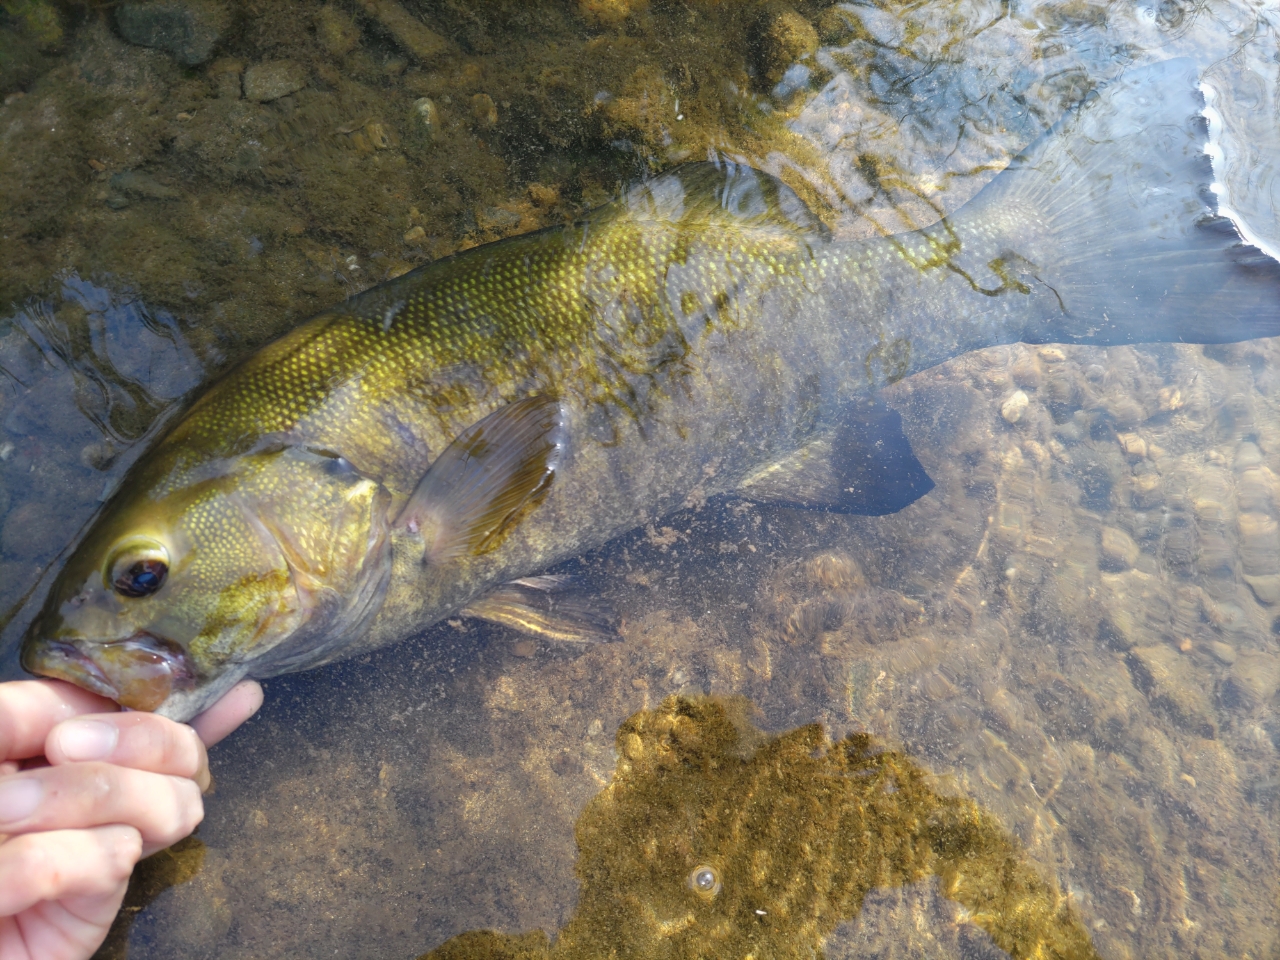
(29, 708)
(236, 706)
(75, 796)
(142, 741)
(66, 863)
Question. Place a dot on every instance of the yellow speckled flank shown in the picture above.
(707, 291)
(586, 311)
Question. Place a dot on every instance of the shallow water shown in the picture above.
(1076, 630)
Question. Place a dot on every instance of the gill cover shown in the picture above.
(181, 589)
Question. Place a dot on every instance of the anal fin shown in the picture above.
(548, 607)
(865, 466)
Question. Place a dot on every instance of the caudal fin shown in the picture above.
(1137, 248)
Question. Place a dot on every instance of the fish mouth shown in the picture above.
(139, 673)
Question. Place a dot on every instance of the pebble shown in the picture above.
(1119, 552)
(610, 13)
(336, 30)
(225, 73)
(274, 79)
(1015, 406)
(1170, 399)
(1224, 653)
(378, 135)
(838, 25)
(1146, 491)
(428, 115)
(1171, 682)
(99, 455)
(782, 38)
(411, 34)
(188, 30)
(543, 196)
(134, 183)
(415, 235)
(1254, 680)
(1133, 445)
(484, 110)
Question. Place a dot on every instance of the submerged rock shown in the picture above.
(411, 34)
(782, 38)
(1119, 552)
(40, 20)
(1171, 682)
(189, 30)
(336, 30)
(274, 79)
(134, 183)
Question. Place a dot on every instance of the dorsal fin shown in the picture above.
(722, 194)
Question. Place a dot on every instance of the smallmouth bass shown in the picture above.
(432, 445)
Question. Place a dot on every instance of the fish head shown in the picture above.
(181, 589)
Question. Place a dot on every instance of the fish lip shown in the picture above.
(64, 660)
(138, 672)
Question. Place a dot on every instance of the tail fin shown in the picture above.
(1137, 250)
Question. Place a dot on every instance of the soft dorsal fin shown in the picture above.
(721, 195)
(865, 466)
(483, 482)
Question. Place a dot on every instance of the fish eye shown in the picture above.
(138, 567)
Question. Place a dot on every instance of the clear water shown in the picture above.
(1076, 630)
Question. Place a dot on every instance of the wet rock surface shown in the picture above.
(264, 82)
(189, 30)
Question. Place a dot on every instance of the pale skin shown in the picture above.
(86, 791)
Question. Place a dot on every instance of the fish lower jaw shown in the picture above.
(60, 660)
(140, 672)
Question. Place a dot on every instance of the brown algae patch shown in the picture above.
(714, 839)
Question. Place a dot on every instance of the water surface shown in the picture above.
(1075, 631)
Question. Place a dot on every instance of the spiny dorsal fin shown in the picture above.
(724, 195)
(485, 480)
(548, 607)
(865, 466)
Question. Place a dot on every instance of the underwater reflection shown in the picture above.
(85, 375)
(715, 839)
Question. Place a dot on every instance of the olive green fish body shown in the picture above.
(422, 448)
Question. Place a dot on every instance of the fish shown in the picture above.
(431, 447)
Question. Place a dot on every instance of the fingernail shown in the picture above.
(19, 798)
(87, 739)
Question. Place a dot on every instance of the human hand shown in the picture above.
(85, 792)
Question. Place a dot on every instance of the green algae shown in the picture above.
(39, 19)
(795, 829)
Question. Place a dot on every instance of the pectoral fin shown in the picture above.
(550, 607)
(866, 466)
(487, 479)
